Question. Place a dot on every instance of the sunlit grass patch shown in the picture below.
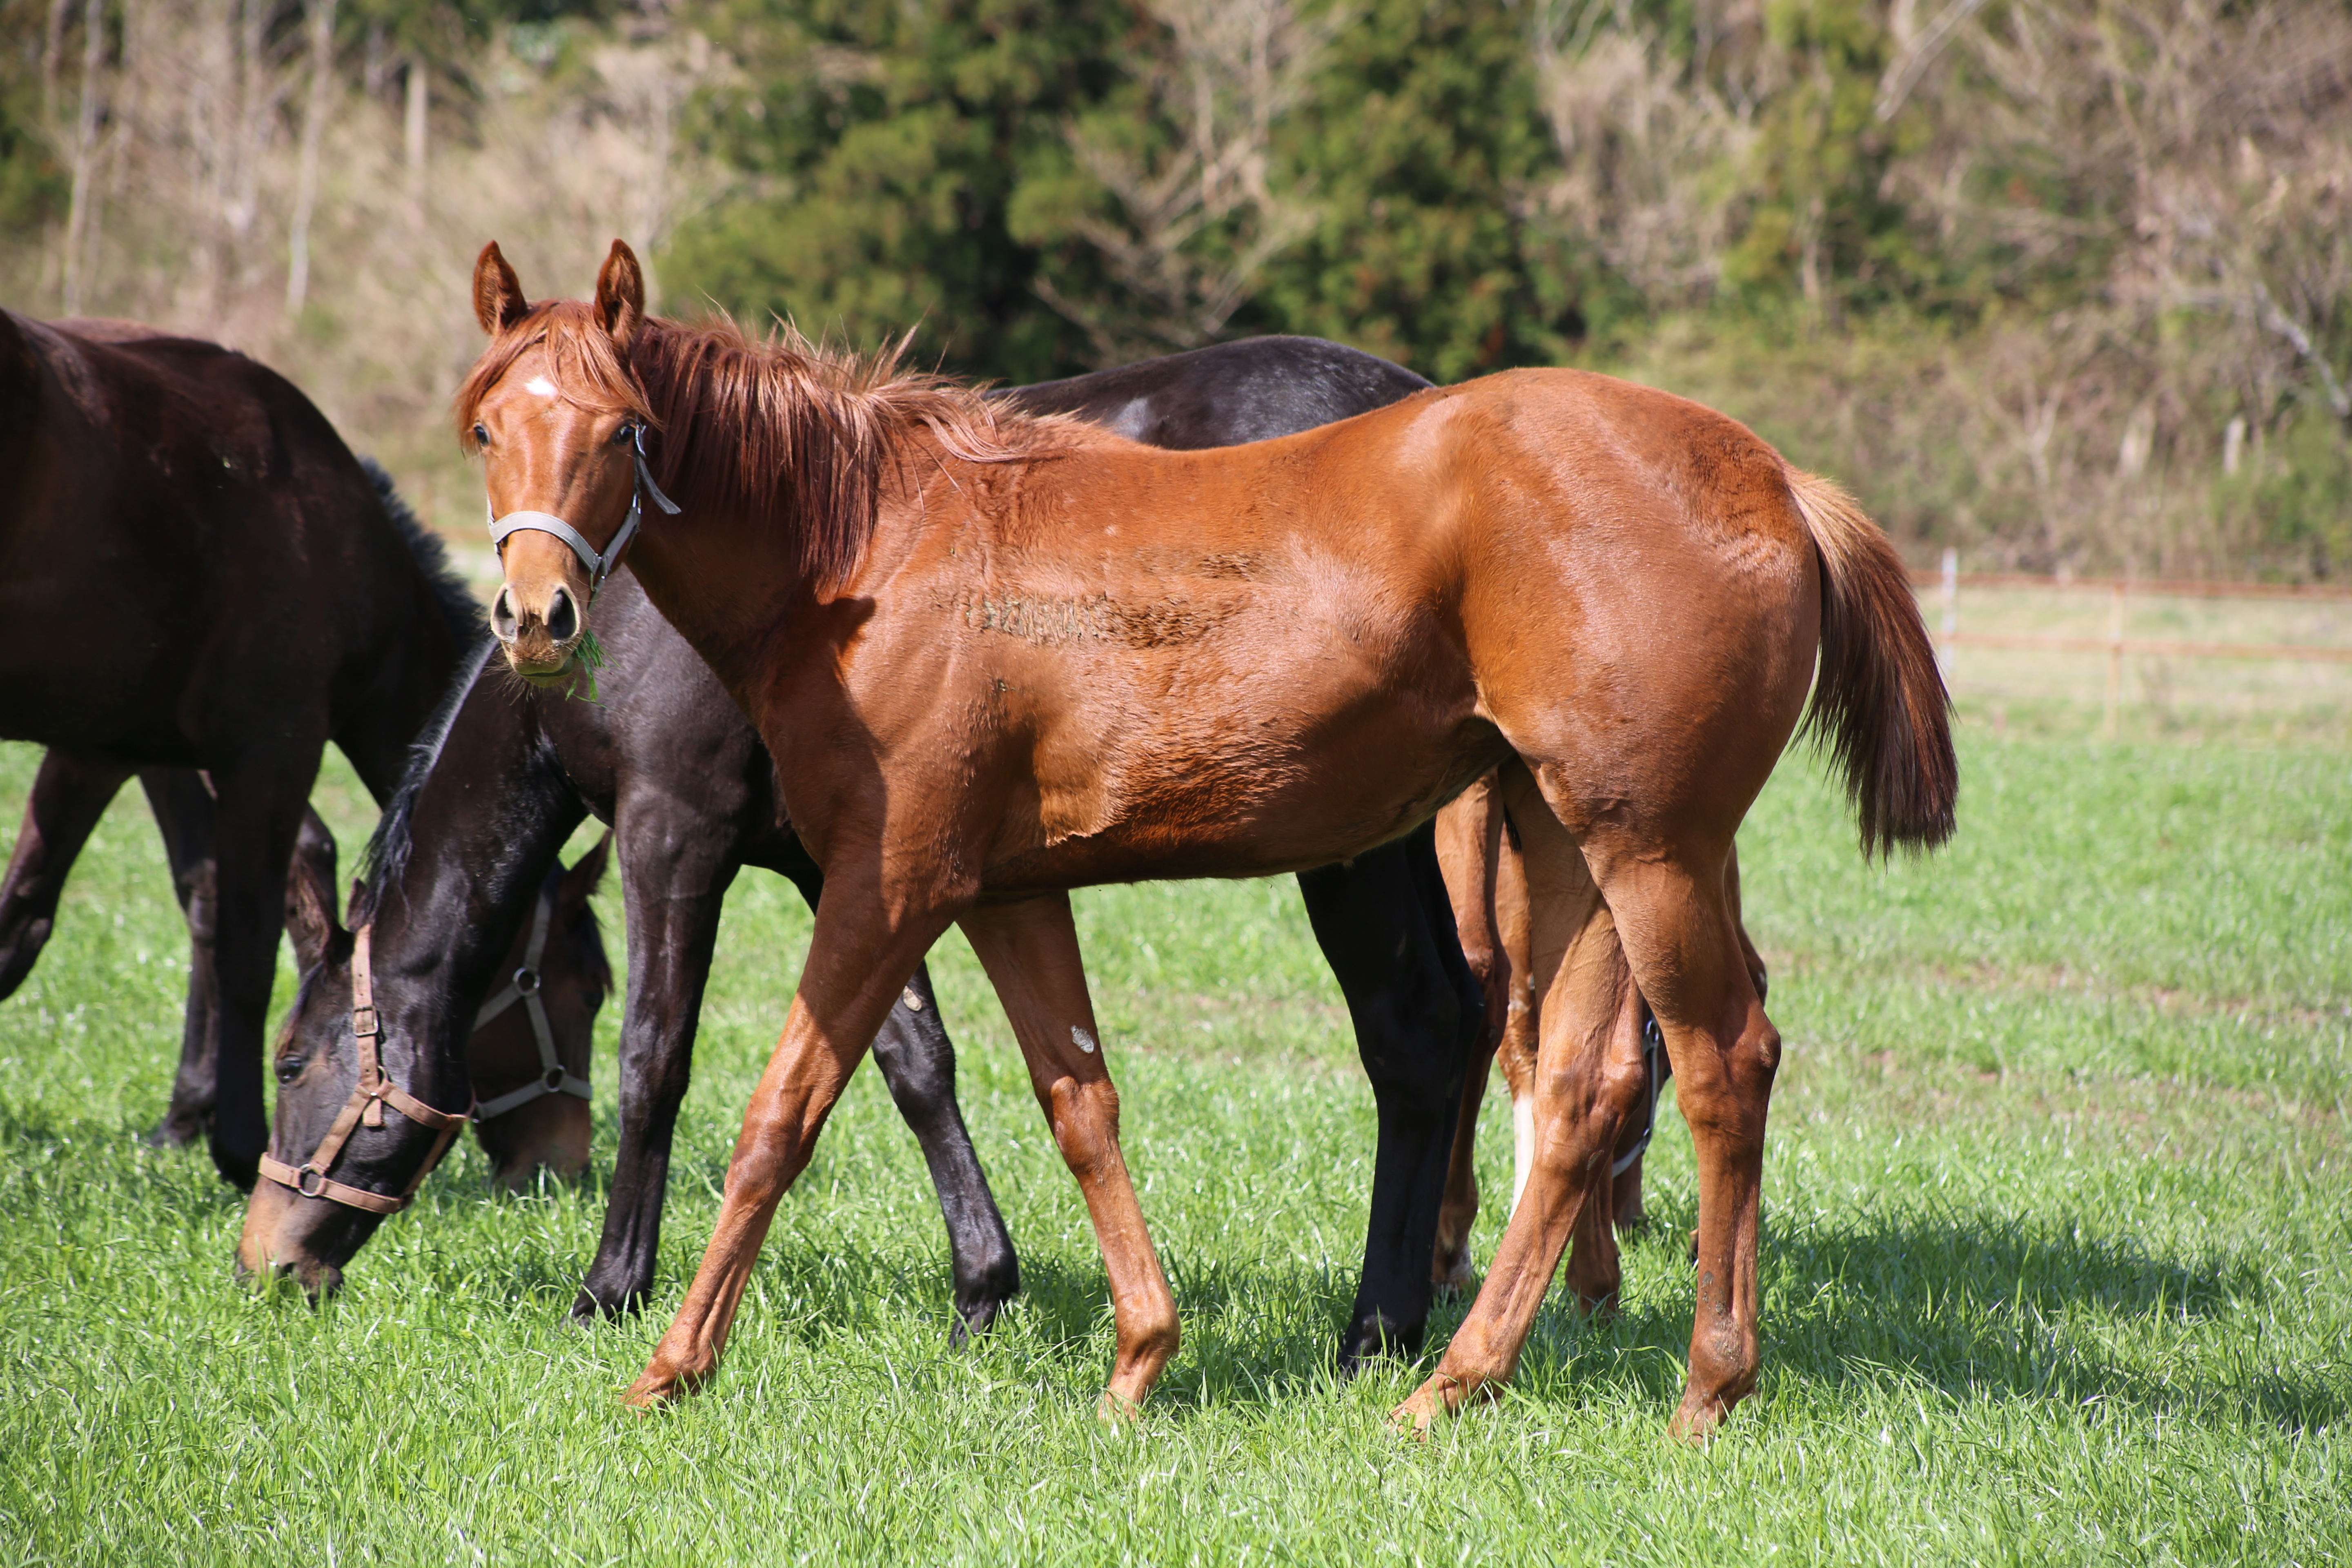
(2055, 1252)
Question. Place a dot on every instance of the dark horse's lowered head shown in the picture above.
(261, 597)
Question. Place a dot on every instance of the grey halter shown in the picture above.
(599, 566)
(524, 988)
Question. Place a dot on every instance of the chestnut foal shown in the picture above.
(997, 658)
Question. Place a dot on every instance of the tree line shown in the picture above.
(2064, 284)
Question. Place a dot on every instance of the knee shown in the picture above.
(917, 1064)
(1085, 1117)
(1756, 1059)
(1416, 1053)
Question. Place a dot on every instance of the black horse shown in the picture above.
(174, 518)
(692, 797)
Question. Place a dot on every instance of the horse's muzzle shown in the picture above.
(540, 644)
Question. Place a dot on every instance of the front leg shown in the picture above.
(260, 804)
(860, 956)
(673, 898)
(918, 1065)
(1029, 948)
(69, 794)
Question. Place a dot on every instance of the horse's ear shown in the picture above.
(620, 294)
(497, 293)
(310, 910)
(580, 883)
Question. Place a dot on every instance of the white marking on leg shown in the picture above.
(1081, 1040)
(1523, 1144)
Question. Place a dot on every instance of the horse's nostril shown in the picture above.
(562, 618)
(502, 614)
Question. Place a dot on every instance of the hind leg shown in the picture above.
(1382, 923)
(1468, 833)
(1685, 946)
(1585, 1082)
(70, 792)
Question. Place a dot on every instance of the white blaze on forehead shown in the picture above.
(540, 385)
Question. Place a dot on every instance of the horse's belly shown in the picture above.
(1241, 794)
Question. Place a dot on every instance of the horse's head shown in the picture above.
(560, 423)
(305, 1231)
(530, 1114)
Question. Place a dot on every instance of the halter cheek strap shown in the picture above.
(598, 565)
(372, 1093)
(1653, 1048)
(553, 1078)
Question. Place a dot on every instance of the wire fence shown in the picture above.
(1949, 582)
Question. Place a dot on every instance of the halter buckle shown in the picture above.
(363, 1022)
(311, 1182)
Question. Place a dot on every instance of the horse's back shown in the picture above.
(1227, 393)
(246, 561)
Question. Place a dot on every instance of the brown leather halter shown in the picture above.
(366, 1104)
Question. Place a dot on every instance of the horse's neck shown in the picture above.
(725, 582)
(484, 831)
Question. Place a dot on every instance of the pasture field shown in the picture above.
(2057, 1265)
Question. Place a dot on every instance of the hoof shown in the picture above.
(179, 1129)
(1696, 1423)
(652, 1393)
(1373, 1337)
(1116, 1411)
(974, 1319)
(17, 956)
(1417, 1415)
(590, 1309)
(1453, 1279)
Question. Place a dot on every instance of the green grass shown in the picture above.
(2055, 1266)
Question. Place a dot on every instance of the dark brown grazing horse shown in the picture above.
(667, 758)
(997, 658)
(196, 574)
(531, 1115)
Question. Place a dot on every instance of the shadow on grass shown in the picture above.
(1974, 1306)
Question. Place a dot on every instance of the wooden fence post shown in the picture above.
(1951, 606)
(2114, 659)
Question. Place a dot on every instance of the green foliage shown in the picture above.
(2297, 493)
(1421, 146)
(886, 146)
(911, 163)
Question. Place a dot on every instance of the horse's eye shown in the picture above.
(624, 435)
(482, 437)
(289, 1070)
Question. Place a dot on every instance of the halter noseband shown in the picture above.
(553, 1077)
(369, 1097)
(599, 566)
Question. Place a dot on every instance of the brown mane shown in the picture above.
(781, 427)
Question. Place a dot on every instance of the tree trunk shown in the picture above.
(79, 223)
(314, 125)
